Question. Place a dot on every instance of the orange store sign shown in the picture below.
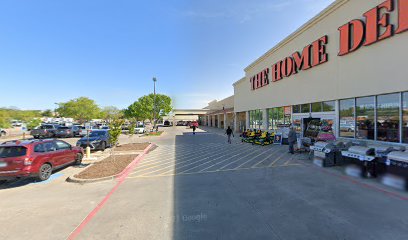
(353, 35)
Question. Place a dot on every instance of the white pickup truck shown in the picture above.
(140, 129)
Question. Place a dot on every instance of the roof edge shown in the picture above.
(240, 80)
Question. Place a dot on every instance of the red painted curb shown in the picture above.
(122, 176)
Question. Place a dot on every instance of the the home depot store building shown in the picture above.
(348, 65)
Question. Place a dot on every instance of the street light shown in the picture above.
(154, 102)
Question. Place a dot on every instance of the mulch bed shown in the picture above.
(107, 167)
(132, 147)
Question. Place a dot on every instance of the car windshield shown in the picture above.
(17, 151)
(63, 128)
(46, 127)
(97, 133)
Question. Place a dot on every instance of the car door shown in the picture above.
(52, 155)
(107, 139)
(68, 155)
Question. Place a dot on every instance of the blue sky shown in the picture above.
(109, 50)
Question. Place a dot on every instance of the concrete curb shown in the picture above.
(135, 161)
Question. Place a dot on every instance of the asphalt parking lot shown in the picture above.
(200, 187)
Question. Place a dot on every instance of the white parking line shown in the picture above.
(267, 158)
(209, 162)
(278, 158)
(252, 159)
(172, 163)
(212, 171)
(170, 158)
(212, 161)
(224, 161)
(200, 160)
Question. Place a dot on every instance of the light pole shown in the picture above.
(154, 102)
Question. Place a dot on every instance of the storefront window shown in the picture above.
(347, 119)
(405, 117)
(317, 107)
(255, 119)
(277, 117)
(329, 106)
(296, 108)
(365, 118)
(388, 117)
(270, 118)
(305, 108)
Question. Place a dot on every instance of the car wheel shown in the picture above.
(103, 146)
(78, 159)
(45, 172)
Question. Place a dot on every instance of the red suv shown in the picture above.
(36, 158)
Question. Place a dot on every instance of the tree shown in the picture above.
(144, 108)
(134, 111)
(33, 123)
(82, 109)
(115, 129)
(47, 113)
(132, 127)
(110, 112)
(4, 120)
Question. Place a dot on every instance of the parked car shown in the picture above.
(166, 123)
(98, 140)
(347, 127)
(45, 131)
(3, 132)
(36, 158)
(71, 131)
(82, 131)
(125, 127)
(140, 129)
(16, 123)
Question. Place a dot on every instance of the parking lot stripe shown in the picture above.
(211, 171)
(252, 159)
(175, 164)
(209, 162)
(267, 158)
(172, 162)
(168, 160)
(222, 156)
(239, 159)
(226, 160)
(277, 159)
